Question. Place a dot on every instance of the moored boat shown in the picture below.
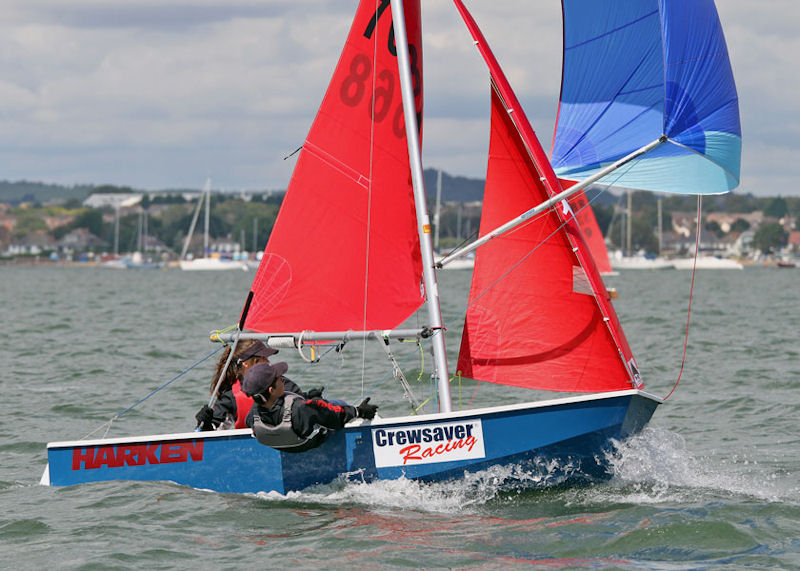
(706, 263)
(208, 262)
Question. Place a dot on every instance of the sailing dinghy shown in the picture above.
(581, 206)
(538, 315)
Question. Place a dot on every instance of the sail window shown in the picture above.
(580, 282)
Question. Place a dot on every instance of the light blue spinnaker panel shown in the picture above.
(634, 70)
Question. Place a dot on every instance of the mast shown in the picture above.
(660, 229)
(437, 213)
(629, 224)
(207, 217)
(423, 220)
(139, 231)
(191, 227)
(116, 232)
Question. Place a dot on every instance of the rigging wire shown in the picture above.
(466, 240)
(337, 347)
(691, 291)
(397, 373)
(151, 393)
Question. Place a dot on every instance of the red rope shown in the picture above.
(474, 394)
(691, 291)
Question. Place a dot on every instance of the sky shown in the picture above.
(158, 94)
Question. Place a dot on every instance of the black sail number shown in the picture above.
(353, 86)
(353, 89)
(390, 45)
(416, 76)
(373, 21)
(384, 92)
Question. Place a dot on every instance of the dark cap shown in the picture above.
(259, 378)
(257, 349)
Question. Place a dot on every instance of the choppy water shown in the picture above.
(714, 480)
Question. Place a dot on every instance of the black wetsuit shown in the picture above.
(306, 416)
(225, 406)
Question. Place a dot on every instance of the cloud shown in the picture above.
(91, 83)
(160, 94)
(143, 14)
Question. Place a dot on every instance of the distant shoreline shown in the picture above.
(27, 262)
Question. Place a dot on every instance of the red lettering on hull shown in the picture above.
(94, 457)
(417, 452)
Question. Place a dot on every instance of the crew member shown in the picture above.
(289, 421)
(232, 405)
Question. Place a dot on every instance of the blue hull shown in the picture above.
(567, 435)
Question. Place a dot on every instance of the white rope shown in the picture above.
(369, 197)
(300, 349)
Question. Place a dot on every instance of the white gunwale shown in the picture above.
(427, 418)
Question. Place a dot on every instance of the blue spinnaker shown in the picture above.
(635, 70)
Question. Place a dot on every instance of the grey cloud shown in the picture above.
(165, 15)
(139, 92)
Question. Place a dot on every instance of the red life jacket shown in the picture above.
(243, 404)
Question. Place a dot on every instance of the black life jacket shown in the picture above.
(282, 436)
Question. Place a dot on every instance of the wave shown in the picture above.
(654, 467)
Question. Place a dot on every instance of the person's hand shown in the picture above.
(315, 393)
(366, 410)
(204, 417)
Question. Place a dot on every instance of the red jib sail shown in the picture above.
(538, 314)
(344, 252)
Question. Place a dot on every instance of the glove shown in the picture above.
(204, 417)
(366, 410)
(315, 393)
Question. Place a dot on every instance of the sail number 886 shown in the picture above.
(354, 89)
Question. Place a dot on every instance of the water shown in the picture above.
(713, 481)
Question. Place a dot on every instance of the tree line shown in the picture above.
(644, 220)
(169, 215)
(168, 219)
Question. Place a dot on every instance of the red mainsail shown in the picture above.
(344, 252)
(539, 316)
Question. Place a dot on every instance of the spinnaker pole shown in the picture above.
(423, 219)
(549, 203)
